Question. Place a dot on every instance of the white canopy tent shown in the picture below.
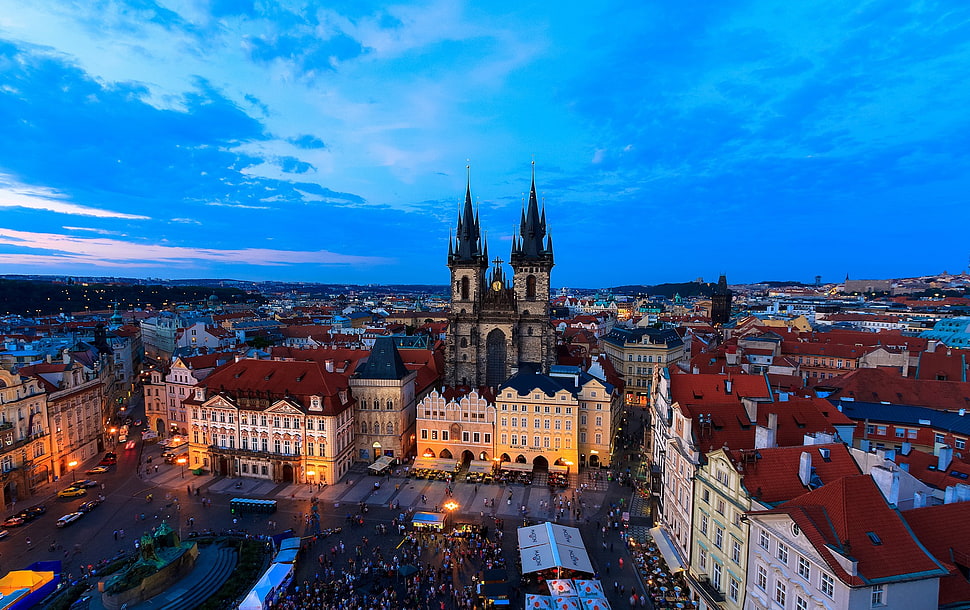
(549, 545)
(276, 577)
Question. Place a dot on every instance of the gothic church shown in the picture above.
(498, 327)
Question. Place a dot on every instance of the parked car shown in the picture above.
(69, 518)
(72, 492)
(13, 521)
(109, 459)
(33, 512)
(137, 422)
(85, 483)
(97, 470)
(88, 506)
(4, 534)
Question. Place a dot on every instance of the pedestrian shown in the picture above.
(116, 534)
(188, 489)
(620, 561)
(28, 541)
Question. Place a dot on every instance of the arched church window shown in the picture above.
(530, 287)
(389, 428)
(464, 342)
(377, 427)
(363, 427)
(530, 331)
(464, 288)
(390, 404)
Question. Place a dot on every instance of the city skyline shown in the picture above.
(330, 144)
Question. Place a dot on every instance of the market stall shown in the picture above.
(558, 476)
(423, 521)
(479, 471)
(382, 465)
(515, 472)
(550, 546)
(434, 468)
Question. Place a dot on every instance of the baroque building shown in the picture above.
(284, 421)
(497, 327)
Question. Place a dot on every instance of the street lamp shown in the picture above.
(451, 505)
(181, 462)
(311, 473)
(72, 465)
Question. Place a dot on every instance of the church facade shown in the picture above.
(498, 326)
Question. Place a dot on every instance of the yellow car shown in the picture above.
(71, 492)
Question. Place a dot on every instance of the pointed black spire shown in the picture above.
(468, 245)
(532, 227)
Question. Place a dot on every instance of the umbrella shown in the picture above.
(589, 588)
(595, 603)
(538, 602)
(562, 587)
(406, 570)
(567, 603)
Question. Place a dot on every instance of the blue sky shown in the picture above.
(328, 141)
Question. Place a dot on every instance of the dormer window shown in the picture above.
(315, 404)
(199, 394)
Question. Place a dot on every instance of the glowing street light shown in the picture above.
(181, 462)
(73, 465)
(451, 505)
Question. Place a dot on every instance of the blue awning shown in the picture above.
(667, 549)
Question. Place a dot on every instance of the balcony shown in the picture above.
(5, 448)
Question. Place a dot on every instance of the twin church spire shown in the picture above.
(532, 243)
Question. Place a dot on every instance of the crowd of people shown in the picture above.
(427, 571)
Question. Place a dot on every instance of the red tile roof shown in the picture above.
(852, 517)
(277, 379)
(877, 385)
(923, 466)
(949, 364)
(771, 475)
(943, 531)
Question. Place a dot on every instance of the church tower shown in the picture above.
(532, 262)
(468, 262)
(721, 302)
(495, 327)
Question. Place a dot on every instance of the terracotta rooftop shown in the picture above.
(851, 517)
(943, 531)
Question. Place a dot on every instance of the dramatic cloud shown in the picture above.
(739, 134)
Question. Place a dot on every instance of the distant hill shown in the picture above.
(684, 289)
(31, 298)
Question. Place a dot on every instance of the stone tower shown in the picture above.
(721, 302)
(495, 327)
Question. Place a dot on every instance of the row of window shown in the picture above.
(542, 409)
(521, 440)
(466, 436)
(642, 358)
(284, 447)
(278, 421)
(376, 428)
(547, 424)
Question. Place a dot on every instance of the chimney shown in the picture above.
(751, 408)
(764, 436)
(329, 366)
(919, 499)
(805, 468)
(695, 370)
(945, 457)
(906, 448)
(727, 386)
